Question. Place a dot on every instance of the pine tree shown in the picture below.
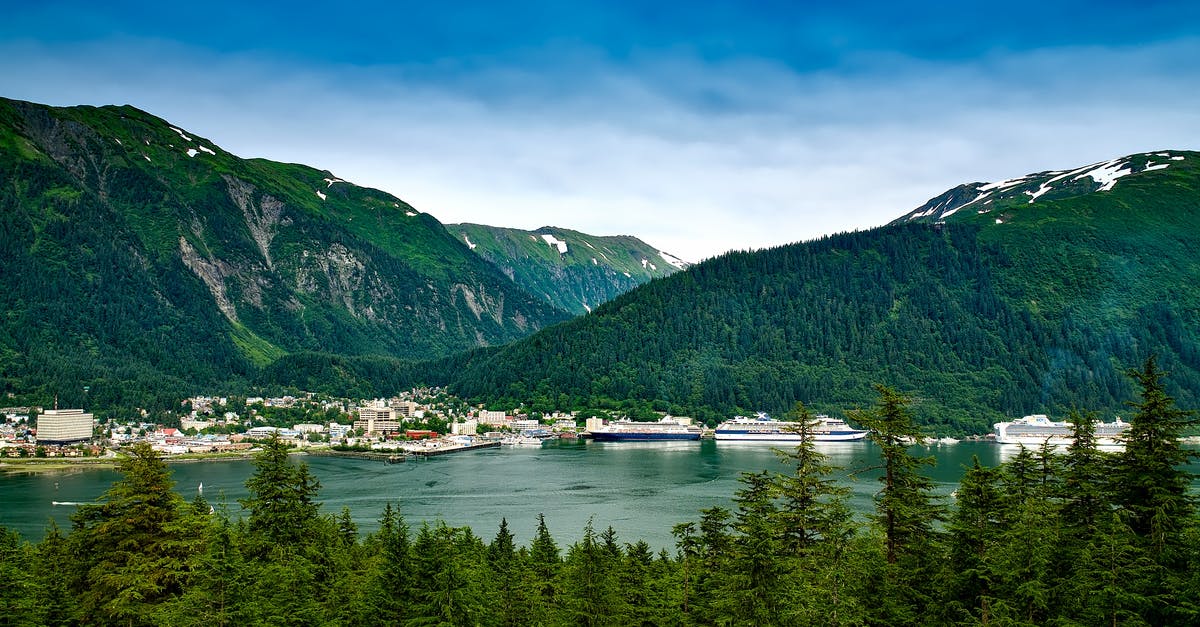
(505, 590)
(216, 595)
(973, 530)
(906, 511)
(905, 506)
(56, 570)
(135, 544)
(750, 578)
(17, 587)
(1154, 489)
(812, 506)
(589, 573)
(390, 584)
(1155, 484)
(449, 592)
(1085, 494)
(543, 567)
(282, 501)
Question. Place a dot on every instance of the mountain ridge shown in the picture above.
(571, 270)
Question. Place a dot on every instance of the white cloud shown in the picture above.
(693, 157)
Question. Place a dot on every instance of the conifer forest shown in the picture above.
(1081, 537)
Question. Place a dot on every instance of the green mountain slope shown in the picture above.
(139, 256)
(1024, 308)
(570, 270)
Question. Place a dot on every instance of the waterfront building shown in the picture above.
(64, 426)
(496, 418)
(526, 424)
(468, 427)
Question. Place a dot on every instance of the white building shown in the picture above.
(492, 417)
(62, 426)
(464, 428)
(526, 424)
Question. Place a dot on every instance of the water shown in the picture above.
(639, 489)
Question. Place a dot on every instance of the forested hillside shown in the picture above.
(573, 271)
(1026, 308)
(142, 263)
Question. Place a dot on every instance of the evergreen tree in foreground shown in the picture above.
(135, 545)
(905, 511)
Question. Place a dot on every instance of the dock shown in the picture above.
(454, 448)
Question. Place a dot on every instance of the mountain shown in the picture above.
(979, 304)
(140, 259)
(571, 270)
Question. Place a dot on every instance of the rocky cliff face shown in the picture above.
(113, 205)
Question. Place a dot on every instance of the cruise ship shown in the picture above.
(1038, 429)
(626, 430)
(763, 428)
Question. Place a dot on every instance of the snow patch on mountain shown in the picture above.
(329, 182)
(192, 152)
(204, 148)
(555, 242)
(468, 241)
(185, 137)
(673, 260)
(1107, 173)
(1045, 187)
(321, 194)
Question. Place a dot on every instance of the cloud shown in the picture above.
(692, 154)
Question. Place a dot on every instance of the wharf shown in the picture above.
(371, 455)
(446, 450)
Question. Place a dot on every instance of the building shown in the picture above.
(408, 409)
(468, 427)
(526, 424)
(492, 418)
(64, 426)
(377, 418)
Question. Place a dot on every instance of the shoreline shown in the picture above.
(64, 464)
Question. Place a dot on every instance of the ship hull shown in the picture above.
(643, 437)
(749, 436)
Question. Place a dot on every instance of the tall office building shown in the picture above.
(64, 426)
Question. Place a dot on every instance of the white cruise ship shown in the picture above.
(1038, 429)
(763, 428)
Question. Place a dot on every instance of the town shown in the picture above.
(420, 421)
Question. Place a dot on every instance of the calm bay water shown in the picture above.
(639, 489)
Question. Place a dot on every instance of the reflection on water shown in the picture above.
(641, 489)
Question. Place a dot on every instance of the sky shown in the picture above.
(699, 127)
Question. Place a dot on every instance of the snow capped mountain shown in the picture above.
(1010, 194)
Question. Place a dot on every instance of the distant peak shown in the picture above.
(1102, 176)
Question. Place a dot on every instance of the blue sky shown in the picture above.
(700, 127)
